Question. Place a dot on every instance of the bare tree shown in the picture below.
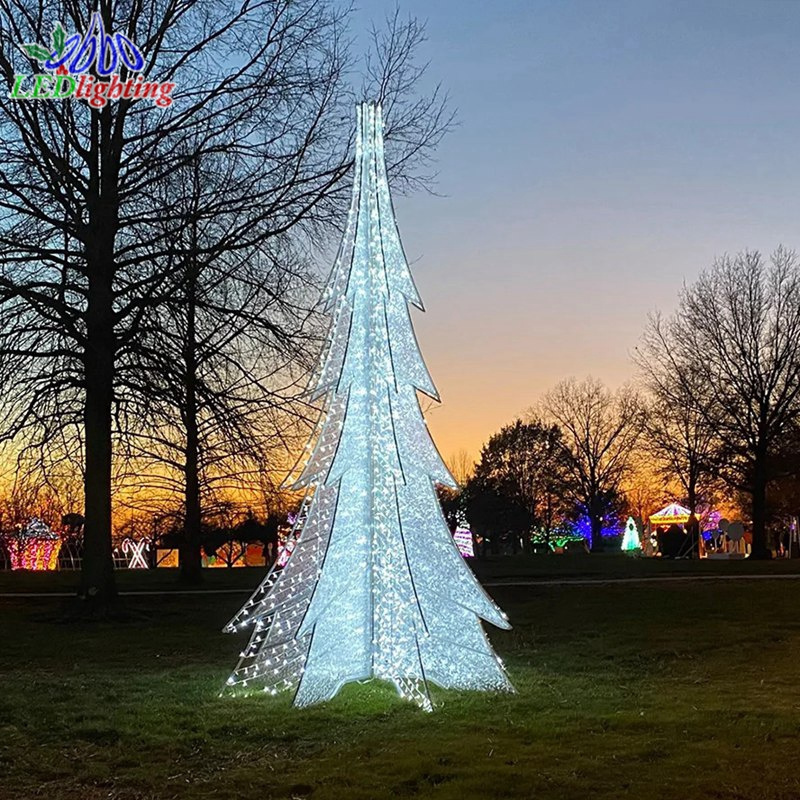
(221, 363)
(600, 431)
(681, 442)
(644, 487)
(461, 466)
(28, 497)
(733, 348)
(84, 256)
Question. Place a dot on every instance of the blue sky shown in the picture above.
(605, 153)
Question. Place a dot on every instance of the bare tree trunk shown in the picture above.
(760, 549)
(97, 577)
(596, 524)
(691, 488)
(597, 533)
(191, 564)
(548, 520)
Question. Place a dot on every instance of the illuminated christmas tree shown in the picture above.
(375, 587)
(630, 541)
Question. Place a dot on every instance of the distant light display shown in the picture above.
(463, 540)
(168, 557)
(286, 550)
(712, 521)
(630, 541)
(296, 520)
(35, 547)
(583, 527)
(136, 552)
(673, 514)
(375, 587)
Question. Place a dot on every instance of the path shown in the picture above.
(489, 585)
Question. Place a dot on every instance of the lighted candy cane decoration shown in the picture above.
(136, 552)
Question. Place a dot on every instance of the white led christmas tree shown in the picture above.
(630, 541)
(375, 587)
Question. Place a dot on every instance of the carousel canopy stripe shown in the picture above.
(672, 514)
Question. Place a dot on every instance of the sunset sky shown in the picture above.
(606, 152)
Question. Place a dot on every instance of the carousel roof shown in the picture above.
(673, 514)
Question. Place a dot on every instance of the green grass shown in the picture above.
(688, 690)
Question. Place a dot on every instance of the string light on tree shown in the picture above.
(375, 587)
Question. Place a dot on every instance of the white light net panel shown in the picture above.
(375, 587)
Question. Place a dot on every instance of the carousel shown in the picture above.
(673, 514)
(669, 535)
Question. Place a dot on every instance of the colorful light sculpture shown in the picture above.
(630, 541)
(673, 514)
(463, 540)
(712, 521)
(290, 540)
(34, 547)
(285, 551)
(167, 557)
(136, 551)
(375, 587)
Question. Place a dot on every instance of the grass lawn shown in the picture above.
(651, 690)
